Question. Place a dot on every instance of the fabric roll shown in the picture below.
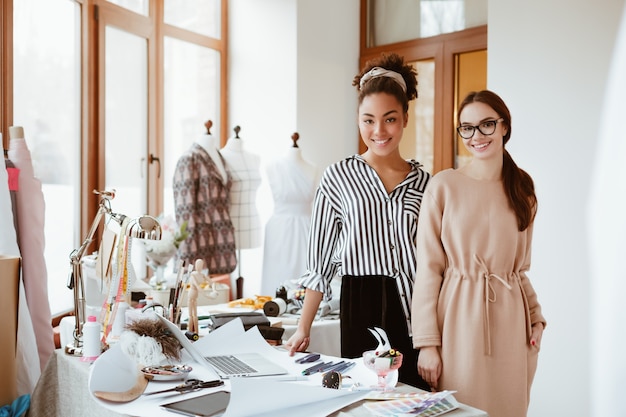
(27, 372)
(31, 215)
(14, 174)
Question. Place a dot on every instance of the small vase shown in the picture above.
(158, 281)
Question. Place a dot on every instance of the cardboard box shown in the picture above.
(9, 279)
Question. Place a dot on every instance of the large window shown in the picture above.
(446, 41)
(46, 103)
(109, 93)
(403, 20)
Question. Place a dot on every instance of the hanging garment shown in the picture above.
(31, 215)
(202, 200)
(28, 371)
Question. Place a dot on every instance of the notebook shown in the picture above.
(227, 366)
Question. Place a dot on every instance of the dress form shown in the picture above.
(211, 144)
(244, 168)
(293, 182)
(295, 154)
(201, 188)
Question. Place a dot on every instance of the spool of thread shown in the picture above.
(91, 339)
(275, 307)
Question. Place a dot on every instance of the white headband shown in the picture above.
(381, 72)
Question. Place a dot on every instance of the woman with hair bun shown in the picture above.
(364, 224)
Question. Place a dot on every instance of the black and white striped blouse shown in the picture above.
(358, 229)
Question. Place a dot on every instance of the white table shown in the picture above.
(63, 391)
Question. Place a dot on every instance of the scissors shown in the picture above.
(190, 385)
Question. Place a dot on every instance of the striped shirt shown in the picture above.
(359, 229)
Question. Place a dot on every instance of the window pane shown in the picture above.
(191, 97)
(471, 75)
(418, 139)
(47, 104)
(391, 21)
(200, 16)
(126, 135)
(137, 6)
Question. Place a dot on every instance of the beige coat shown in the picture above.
(472, 296)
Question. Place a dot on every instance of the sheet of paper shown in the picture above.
(258, 397)
(103, 263)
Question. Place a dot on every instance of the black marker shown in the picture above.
(315, 368)
(313, 357)
(331, 367)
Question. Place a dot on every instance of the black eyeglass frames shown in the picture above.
(486, 128)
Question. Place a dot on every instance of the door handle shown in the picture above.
(156, 159)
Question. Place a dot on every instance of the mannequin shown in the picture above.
(211, 145)
(202, 199)
(293, 181)
(244, 168)
(295, 154)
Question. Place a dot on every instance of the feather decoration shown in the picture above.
(164, 344)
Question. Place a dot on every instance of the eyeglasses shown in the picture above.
(486, 128)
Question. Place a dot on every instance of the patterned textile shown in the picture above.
(201, 199)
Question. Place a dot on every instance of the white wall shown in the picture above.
(328, 60)
(607, 232)
(548, 60)
(291, 68)
(550, 63)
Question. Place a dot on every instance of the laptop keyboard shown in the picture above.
(230, 365)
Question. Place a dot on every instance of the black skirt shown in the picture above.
(373, 301)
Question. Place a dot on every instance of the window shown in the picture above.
(46, 103)
(107, 92)
(449, 50)
(403, 20)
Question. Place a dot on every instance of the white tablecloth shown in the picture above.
(325, 336)
(63, 390)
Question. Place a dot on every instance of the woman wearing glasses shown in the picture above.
(476, 317)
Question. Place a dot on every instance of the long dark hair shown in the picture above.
(518, 185)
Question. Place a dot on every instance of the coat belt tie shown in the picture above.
(490, 297)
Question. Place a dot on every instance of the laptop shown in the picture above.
(227, 366)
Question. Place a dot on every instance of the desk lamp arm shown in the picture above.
(76, 281)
